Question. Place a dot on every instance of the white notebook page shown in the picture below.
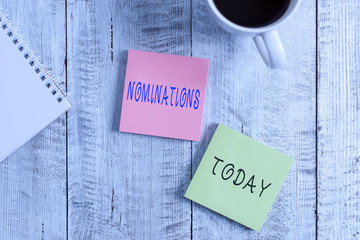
(27, 105)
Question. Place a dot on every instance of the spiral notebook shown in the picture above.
(29, 97)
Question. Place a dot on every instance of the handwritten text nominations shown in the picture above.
(228, 171)
(167, 95)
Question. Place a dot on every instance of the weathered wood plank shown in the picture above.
(338, 120)
(131, 186)
(122, 185)
(33, 179)
(275, 107)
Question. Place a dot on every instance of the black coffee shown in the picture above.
(252, 13)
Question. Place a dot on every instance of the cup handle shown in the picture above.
(271, 49)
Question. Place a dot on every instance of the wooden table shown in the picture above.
(82, 179)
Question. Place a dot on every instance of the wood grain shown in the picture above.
(338, 120)
(33, 179)
(275, 107)
(128, 186)
(122, 185)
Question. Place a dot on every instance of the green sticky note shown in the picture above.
(239, 177)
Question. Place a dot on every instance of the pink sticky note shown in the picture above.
(164, 95)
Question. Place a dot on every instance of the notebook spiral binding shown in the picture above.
(30, 55)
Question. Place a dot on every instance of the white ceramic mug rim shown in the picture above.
(266, 28)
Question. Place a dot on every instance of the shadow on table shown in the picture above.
(119, 90)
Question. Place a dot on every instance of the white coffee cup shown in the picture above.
(266, 38)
